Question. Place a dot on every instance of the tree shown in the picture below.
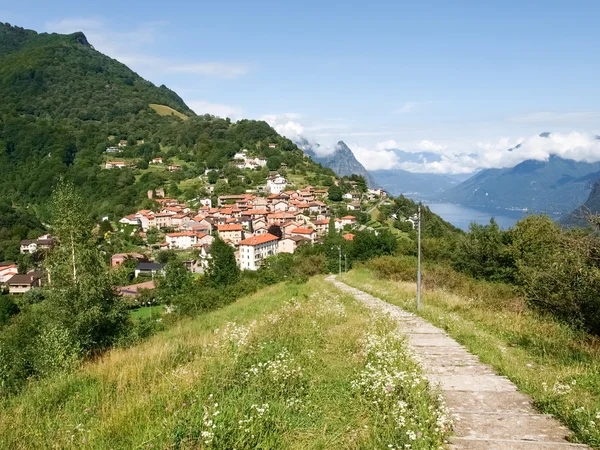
(334, 193)
(367, 244)
(80, 297)
(213, 176)
(177, 281)
(274, 162)
(275, 230)
(222, 266)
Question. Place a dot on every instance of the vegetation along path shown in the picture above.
(487, 410)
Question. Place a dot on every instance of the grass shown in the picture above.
(290, 367)
(163, 110)
(554, 363)
(147, 312)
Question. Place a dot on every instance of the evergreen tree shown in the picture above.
(222, 267)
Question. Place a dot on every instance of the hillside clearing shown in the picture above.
(289, 367)
(163, 110)
(556, 365)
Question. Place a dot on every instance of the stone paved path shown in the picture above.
(488, 411)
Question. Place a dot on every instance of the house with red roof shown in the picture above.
(231, 232)
(308, 233)
(254, 250)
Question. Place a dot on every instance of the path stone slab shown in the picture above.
(478, 444)
(526, 427)
(432, 340)
(478, 383)
(485, 402)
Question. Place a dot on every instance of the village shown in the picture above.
(272, 220)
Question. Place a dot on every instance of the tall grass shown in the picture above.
(557, 365)
(288, 367)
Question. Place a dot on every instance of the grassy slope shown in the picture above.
(558, 366)
(205, 382)
(163, 110)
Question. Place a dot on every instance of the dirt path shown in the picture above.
(487, 409)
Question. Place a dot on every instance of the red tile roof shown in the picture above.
(257, 240)
(303, 230)
(349, 237)
(230, 227)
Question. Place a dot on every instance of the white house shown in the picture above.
(114, 164)
(276, 184)
(131, 219)
(187, 239)
(255, 249)
(156, 161)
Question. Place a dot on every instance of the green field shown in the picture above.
(147, 312)
(163, 110)
(300, 367)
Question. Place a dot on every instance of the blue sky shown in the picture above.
(466, 79)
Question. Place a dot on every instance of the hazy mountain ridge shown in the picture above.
(342, 161)
(555, 186)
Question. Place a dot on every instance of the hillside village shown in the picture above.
(271, 220)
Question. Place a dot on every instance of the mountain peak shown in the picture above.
(80, 38)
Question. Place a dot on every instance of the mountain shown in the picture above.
(63, 103)
(555, 186)
(342, 161)
(579, 216)
(414, 185)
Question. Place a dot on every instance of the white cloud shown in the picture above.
(375, 159)
(128, 45)
(386, 145)
(431, 147)
(216, 109)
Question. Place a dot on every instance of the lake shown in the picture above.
(462, 216)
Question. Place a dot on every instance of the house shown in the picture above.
(146, 218)
(353, 206)
(289, 244)
(272, 145)
(276, 184)
(149, 269)
(174, 167)
(321, 226)
(349, 236)
(307, 233)
(156, 161)
(114, 164)
(229, 199)
(42, 243)
(122, 143)
(254, 250)
(112, 150)
(206, 202)
(131, 219)
(7, 270)
(133, 289)
(187, 239)
(347, 196)
(232, 232)
(19, 284)
(119, 258)
(163, 220)
(280, 218)
(348, 220)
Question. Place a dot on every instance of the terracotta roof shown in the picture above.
(182, 234)
(349, 237)
(348, 217)
(132, 290)
(303, 230)
(321, 222)
(257, 240)
(230, 227)
(256, 212)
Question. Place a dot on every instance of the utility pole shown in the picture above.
(419, 257)
(345, 262)
(340, 261)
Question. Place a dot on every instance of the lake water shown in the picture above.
(462, 216)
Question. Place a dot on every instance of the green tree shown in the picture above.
(222, 267)
(213, 176)
(334, 193)
(177, 281)
(274, 162)
(80, 295)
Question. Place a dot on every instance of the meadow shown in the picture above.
(292, 366)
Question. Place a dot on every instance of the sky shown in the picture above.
(466, 80)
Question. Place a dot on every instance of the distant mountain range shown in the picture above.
(555, 186)
(414, 185)
(342, 161)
